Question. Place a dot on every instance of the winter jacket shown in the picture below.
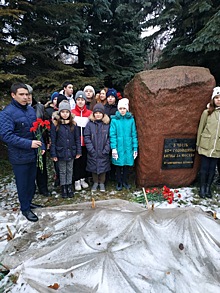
(70, 99)
(39, 109)
(110, 109)
(123, 138)
(208, 136)
(65, 144)
(96, 137)
(49, 110)
(81, 118)
(15, 123)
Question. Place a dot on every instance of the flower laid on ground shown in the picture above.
(39, 126)
(158, 195)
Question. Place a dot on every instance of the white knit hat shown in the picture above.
(216, 92)
(123, 103)
(89, 87)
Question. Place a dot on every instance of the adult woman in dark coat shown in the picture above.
(96, 137)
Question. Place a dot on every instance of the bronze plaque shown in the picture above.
(178, 153)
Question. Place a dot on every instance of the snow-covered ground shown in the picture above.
(116, 246)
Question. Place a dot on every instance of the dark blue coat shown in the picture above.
(97, 143)
(65, 144)
(15, 123)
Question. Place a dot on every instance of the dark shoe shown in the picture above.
(203, 183)
(126, 185)
(35, 206)
(210, 179)
(30, 216)
(202, 191)
(119, 186)
(64, 191)
(70, 192)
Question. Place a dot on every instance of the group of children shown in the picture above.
(92, 138)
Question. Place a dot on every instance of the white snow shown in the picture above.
(119, 246)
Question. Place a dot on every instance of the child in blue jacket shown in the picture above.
(124, 142)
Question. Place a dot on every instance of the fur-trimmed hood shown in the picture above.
(105, 119)
(56, 118)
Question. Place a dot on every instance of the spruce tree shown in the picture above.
(189, 30)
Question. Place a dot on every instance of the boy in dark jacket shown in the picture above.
(111, 105)
(15, 123)
(96, 137)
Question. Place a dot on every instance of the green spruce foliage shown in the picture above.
(46, 42)
(189, 32)
(86, 42)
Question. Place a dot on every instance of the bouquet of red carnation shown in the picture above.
(158, 195)
(39, 126)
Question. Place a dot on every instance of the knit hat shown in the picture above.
(60, 99)
(99, 108)
(54, 95)
(30, 89)
(216, 91)
(89, 87)
(111, 92)
(123, 103)
(80, 94)
(64, 105)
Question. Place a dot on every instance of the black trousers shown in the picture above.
(122, 174)
(42, 176)
(79, 166)
(25, 175)
(208, 165)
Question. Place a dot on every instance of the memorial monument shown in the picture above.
(167, 105)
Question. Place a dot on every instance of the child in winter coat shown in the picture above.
(65, 146)
(111, 105)
(101, 96)
(81, 118)
(90, 96)
(98, 146)
(208, 143)
(124, 142)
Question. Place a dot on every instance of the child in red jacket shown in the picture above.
(81, 118)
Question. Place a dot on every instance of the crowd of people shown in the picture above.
(90, 135)
(86, 138)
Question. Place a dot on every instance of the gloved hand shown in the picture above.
(135, 154)
(114, 154)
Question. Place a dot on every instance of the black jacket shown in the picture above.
(110, 109)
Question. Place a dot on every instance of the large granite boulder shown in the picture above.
(167, 105)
